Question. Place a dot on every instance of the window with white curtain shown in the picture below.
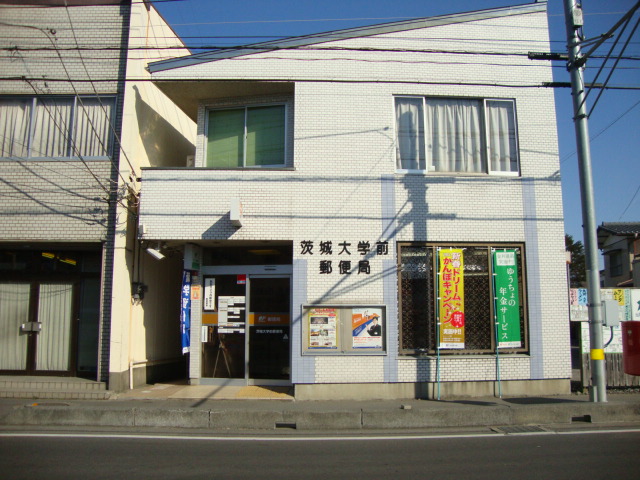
(55, 126)
(456, 135)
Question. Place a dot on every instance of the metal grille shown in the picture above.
(477, 299)
(523, 301)
(416, 298)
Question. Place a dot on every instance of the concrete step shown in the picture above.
(65, 388)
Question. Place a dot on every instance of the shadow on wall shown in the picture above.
(162, 318)
(164, 145)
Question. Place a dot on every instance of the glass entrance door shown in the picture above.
(14, 312)
(36, 327)
(246, 328)
(55, 313)
(223, 354)
(269, 328)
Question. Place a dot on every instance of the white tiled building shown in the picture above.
(332, 175)
(78, 118)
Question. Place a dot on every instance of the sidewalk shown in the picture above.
(250, 409)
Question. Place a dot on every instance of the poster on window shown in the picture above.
(451, 301)
(366, 327)
(231, 314)
(323, 328)
(505, 272)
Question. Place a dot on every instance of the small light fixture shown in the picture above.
(155, 252)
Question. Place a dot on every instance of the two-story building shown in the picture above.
(371, 213)
(78, 118)
(620, 245)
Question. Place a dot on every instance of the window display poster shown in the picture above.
(323, 328)
(507, 299)
(366, 327)
(230, 314)
(451, 301)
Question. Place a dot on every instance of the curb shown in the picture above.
(238, 419)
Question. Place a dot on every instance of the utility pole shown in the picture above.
(574, 22)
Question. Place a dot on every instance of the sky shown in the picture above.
(614, 123)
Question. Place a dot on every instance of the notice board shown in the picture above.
(344, 329)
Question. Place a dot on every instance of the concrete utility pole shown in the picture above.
(573, 19)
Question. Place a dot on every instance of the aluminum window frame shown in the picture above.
(70, 131)
(485, 137)
(246, 108)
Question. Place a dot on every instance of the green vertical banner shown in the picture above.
(505, 270)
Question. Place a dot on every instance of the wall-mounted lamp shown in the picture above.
(155, 253)
(235, 214)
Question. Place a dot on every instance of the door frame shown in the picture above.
(251, 271)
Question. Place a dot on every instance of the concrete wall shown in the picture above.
(155, 133)
(344, 186)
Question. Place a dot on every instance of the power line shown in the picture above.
(630, 202)
(351, 19)
(268, 49)
(64, 128)
(592, 138)
(47, 109)
(614, 66)
(36, 190)
(325, 38)
(109, 191)
(369, 60)
(337, 81)
(260, 49)
(378, 60)
(40, 163)
(113, 130)
(55, 122)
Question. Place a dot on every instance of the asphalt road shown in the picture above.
(546, 456)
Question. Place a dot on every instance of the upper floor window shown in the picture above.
(55, 126)
(246, 137)
(456, 135)
(615, 263)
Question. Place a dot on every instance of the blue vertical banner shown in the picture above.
(185, 311)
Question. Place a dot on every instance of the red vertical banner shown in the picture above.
(451, 301)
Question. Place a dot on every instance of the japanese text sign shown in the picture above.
(505, 272)
(338, 255)
(451, 298)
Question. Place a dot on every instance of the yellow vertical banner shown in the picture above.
(451, 301)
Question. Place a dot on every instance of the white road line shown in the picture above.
(299, 438)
